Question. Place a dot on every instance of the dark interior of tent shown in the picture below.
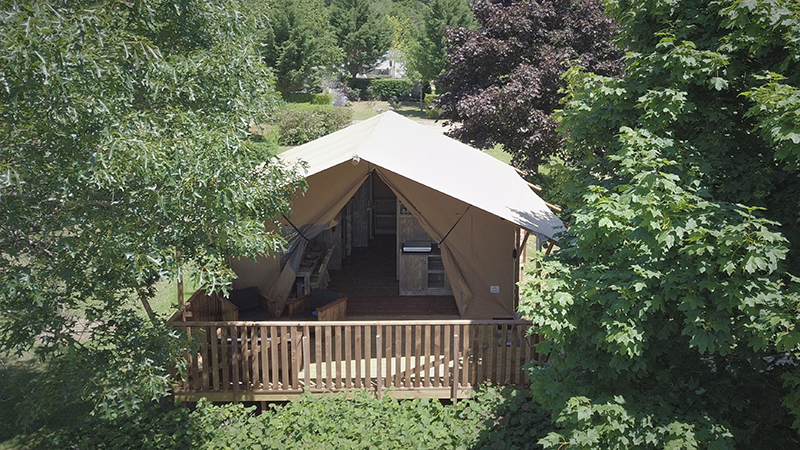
(379, 256)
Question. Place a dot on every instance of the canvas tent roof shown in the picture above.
(413, 151)
(465, 200)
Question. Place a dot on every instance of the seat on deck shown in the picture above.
(250, 303)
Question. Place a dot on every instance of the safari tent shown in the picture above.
(460, 218)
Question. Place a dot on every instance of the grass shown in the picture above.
(22, 425)
(498, 153)
(23, 420)
(367, 109)
(165, 302)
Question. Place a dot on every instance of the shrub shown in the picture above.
(362, 84)
(298, 124)
(431, 112)
(152, 427)
(305, 97)
(298, 97)
(386, 88)
(322, 99)
(494, 419)
(381, 88)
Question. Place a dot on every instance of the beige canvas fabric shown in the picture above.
(449, 186)
(411, 150)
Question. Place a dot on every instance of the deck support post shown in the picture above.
(307, 362)
(456, 377)
(235, 364)
(378, 358)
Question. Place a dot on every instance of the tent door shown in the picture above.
(384, 207)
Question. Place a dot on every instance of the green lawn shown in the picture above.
(165, 301)
(365, 110)
(498, 153)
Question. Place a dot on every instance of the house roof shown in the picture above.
(405, 147)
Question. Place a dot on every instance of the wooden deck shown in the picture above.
(369, 280)
(406, 347)
(276, 361)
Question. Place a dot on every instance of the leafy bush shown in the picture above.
(386, 88)
(510, 420)
(495, 418)
(300, 123)
(307, 97)
(153, 427)
(381, 88)
(322, 99)
(431, 112)
(336, 422)
(359, 84)
(298, 97)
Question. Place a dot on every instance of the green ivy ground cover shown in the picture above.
(496, 419)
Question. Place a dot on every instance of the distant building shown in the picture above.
(392, 64)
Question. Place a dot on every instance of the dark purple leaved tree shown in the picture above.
(504, 78)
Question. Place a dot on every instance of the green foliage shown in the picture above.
(670, 315)
(666, 288)
(305, 97)
(360, 88)
(124, 130)
(302, 47)
(495, 418)
(431, 111)
(322, 99)
(301, 123)
(363, 33)
(298, 97)
(386, 88)
(153, 427)
(427, 54)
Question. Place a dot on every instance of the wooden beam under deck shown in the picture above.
(290, 395)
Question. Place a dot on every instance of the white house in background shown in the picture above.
(392, 63)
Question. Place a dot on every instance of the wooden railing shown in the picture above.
(263, 361)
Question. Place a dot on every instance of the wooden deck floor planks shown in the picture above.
(369, 279)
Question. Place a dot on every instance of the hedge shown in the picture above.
(301, 123)
(386, 88)
(305, 97)
(380, 88)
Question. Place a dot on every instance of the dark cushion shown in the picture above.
(254, 315)
(245, 299)
(321, 297)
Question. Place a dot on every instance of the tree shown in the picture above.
(363, 33)
(504, 78)
(671, 316)
(401, 39)
(428, 54)
(124, 130)
(303, 48)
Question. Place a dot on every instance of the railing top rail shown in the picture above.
(285, 323)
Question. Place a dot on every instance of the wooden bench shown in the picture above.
(326, 308)
(242, 304)
(335, 310)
